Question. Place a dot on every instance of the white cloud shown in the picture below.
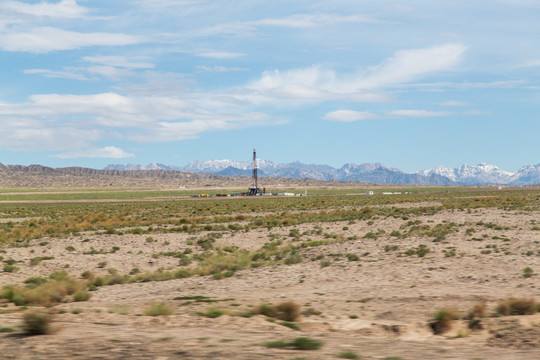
(349, 116)
(56, 74)
(118, 61)
(47, 39)
(66, 9)
(218, 69)
(75, 122)
(318, 83)
(108, 71)
(111, 152)
(163, 109)
(408, 65)
(417, 113)
(214, 54)
(105, 66)
(299, 21)
(27, 133)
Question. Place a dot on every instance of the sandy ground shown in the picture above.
(377, 307)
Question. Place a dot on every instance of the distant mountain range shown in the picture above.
(466, 175)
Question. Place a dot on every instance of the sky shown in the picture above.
(410, 84)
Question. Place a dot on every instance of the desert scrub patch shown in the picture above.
(4, 329)
(158, 309)
(36, 260)
(348, 355)
(527, 272)
(10, 268)
(35, 281)
(201, 298)
(441, 320)
(286, 311)
(36, 292)
(212, 313)
(119, 309)
(352, 257)
(420, 251)
(389, 248)
(478, 311)
(514, 306)
(300, 343)
(37, 322)
(81, 295)
(289, 324)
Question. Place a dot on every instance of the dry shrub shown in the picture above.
(286, 311)
(37, 322)
(514, 306)
(49, 293)
(478, 311)
(442, 320)
(158, 309)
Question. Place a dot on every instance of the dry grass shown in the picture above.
(512, 306)
(158, 309)
(478, 311)
(286, 311)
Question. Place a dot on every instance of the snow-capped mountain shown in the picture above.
(527, 175)
(214, 166)
(151, 166)
(481, 174)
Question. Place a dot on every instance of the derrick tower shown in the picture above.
(255, 168)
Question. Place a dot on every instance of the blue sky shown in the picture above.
(411, 84)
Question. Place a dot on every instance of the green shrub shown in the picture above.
(82, 295)
(290, 325)
(10, 268)
(212, 313)
(528, 272)
(352, 257)
(34, 282)
(305, 343)
(348, 355)
(300, 343)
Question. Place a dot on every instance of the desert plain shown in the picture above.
(406, 273)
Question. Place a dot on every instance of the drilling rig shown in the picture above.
(254, 189)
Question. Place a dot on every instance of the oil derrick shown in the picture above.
(254, 189)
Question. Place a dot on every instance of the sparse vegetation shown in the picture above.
(199, 238)
(286, 311)
(158, 309)
(513, 306)
(37, 322)
(348, 355)
(442, 319)
(300, 343)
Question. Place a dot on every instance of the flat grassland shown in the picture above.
(422, 273)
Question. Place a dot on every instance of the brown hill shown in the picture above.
(38, 176)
